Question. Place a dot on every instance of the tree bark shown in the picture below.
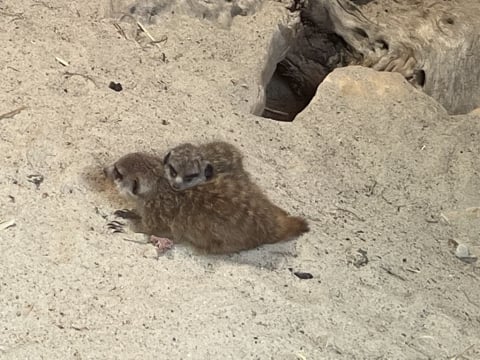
(433, 44)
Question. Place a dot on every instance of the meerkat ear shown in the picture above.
(165, 159)
(208, 170)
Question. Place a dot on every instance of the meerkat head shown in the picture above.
(134, 174)
(184, 167)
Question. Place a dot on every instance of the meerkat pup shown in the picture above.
(137, 177)
(187, 165)
(223, 215)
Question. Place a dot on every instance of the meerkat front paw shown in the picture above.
(116, 226)
(126, 214)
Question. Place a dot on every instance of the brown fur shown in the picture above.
(224, 157)
(205, 161)
(225, 215)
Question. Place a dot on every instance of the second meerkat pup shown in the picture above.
(223, 215)
(187, 165)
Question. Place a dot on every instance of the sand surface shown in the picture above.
(388, 180)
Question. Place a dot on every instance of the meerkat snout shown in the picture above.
(107, 170)
(185, 167)
(111, 172)
(134, 174)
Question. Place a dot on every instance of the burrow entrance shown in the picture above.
(313, 54)
(332, 34)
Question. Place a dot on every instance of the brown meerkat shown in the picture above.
(224, 215)
(187, 165)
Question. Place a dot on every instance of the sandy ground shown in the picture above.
(386, 178)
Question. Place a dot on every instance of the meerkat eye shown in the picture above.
(173, 173)
(117, 174)
(165, 159)
(135, 187)
(208, 171)
(189, 178)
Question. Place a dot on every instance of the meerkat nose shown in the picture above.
(107, 171)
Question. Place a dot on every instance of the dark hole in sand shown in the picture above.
(313, 54)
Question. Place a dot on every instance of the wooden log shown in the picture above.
(434, 44)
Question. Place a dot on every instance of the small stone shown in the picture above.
(361, 258)
(115, 86)
(462, 251)
(303, 275)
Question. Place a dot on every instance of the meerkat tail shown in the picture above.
(292, 227)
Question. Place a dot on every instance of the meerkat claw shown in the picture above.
(126, 214)
(116, 226)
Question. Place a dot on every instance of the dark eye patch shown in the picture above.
(165, 159)
(173, 173)
(208, 171)
(116, 174)
(135, 187)
(190, 177)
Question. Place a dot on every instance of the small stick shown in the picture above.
(120, 30)
(460, 356)
(138, 241)
(147, 33)
(144, 29)
(163, 39)
(152, 39)
(351, 212)
(445, 218)
(18, 15)
(392, 273)
(372, 188)
(6, 224)
(61, 61)
(43, 3)
(68, 73)
(12, 113)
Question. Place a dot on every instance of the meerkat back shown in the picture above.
(224, 157)
(230, 214)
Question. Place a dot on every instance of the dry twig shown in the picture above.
(12, 113)
(61, 61)
(120, 30)
(461, 355)
(390, 272)
(6, 224)
(350, 212)
(88, 77)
